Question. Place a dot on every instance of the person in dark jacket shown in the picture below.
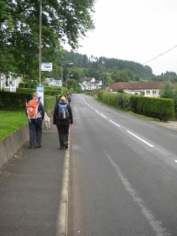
(35, 125)
(62, 125)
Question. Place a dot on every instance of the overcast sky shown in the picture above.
(135, 30)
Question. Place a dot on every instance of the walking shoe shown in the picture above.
(38, 145)
(62, 147)
(66, 144)
(31, 147)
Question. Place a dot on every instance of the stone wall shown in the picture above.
(10, 145)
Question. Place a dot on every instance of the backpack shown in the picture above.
(63, 113)
(32, 109)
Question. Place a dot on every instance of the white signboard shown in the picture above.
(46, 66)
(40, 91)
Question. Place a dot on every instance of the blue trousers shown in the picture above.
(35, 132)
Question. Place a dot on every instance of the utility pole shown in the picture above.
(62, 67)
(40, 40)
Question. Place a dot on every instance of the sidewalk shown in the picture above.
(31, 184)
(170, 124)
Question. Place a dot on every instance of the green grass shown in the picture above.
(11, 121)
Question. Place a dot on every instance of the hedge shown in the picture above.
(17, 101)
(160, 108)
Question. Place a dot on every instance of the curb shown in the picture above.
(62, 218)
(10, 145)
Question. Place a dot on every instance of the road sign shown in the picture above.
(40, 91)
(46, 66)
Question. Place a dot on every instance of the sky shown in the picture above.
(134, 30)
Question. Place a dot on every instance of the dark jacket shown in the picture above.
(41, 109)
(56, 108)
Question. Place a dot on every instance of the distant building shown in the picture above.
(148, 89)
(89, 83)
(8, 83)
(53, 82)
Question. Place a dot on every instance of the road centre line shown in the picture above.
(103, 116)
(114, 123)
(140, 139)
(127, 130)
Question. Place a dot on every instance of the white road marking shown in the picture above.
(114, 123)
(140, 139)
(103, 116)
(155, 224)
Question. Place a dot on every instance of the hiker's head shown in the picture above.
(63, 99)
(35, 96)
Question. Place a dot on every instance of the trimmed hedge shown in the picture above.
(51, 91)
(17, 101)
(13, 101)
(160, 108)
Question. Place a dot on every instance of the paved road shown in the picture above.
(30, 189)
(123, 174)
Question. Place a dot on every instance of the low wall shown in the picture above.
(10, 145)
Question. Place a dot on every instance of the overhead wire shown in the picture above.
(160, 55)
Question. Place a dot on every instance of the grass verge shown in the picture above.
(11, 121)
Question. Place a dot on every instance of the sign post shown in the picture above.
(46, 66)
(40, 91)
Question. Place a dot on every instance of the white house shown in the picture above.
(148, 89)
(53, 82)
(89, 83)
(9, 83)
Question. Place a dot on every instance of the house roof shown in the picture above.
(134, 86)
(86, 79)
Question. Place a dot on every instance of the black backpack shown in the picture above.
(63, 113)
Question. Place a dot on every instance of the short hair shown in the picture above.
(35, 94)
(63, 99)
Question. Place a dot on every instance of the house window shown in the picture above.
(147, 92)
(154, 91)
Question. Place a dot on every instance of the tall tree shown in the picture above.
(19, 30)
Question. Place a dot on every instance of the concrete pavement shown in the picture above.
(34, 190)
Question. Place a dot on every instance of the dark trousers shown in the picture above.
(35, 131)
(63, 131)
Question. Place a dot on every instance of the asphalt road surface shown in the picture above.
(123, 174)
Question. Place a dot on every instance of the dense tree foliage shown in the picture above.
(108, 64)
(114, 70)
(19, 31)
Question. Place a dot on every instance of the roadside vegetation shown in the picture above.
(19, 30)
(11, 121)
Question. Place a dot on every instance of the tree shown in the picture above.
(168, 90)
(120, 76)
(62, 21)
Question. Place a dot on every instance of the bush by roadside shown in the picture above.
(162, 109)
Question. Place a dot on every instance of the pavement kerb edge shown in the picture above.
(62, 218)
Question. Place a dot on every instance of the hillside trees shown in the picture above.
(108, 64)
(123, 76)
(62, 21)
